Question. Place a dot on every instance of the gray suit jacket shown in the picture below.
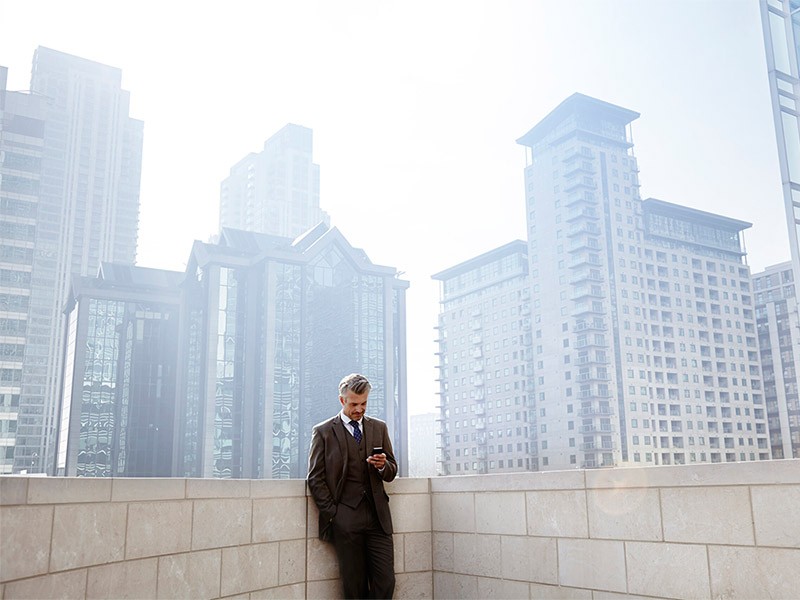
(327, 469)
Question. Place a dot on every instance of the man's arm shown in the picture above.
(316, 476)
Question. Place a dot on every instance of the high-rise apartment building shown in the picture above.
(120, 371)
(484, 364)
(83, 210)
(779, 342)
(644, 340)
(781, 23)
(271, 326)
(21, 147)
(275, 191)
(422, 443)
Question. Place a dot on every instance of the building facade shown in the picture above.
(275, 191)
(779, 344)
(422, 444)
(82, 209)
(21, 148)
(271, 326)
(120, 371)
(484, 337)
(644, 341)
(781, 23)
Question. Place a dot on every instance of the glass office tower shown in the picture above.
(271, 327)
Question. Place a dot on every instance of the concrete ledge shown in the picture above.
(699, 531)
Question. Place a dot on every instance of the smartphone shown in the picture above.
(377, 450)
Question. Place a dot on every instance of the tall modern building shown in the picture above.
(271, 326)
(779, 342)
(485, 391)
(21, 148)
(82, 209)
(781, 23)
(422, 444)
(644, 340)
(275, 191)
(117, 413)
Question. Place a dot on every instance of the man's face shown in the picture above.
(354, 405)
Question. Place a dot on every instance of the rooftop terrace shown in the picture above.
(705, 531)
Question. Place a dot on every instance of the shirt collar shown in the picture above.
(346, 420)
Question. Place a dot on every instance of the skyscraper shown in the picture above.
(275, 191)
(781, 24)
(485, 364)
(85, 211)
(644, 340)
(21, 146)
(120, 372)
(778, 323)
(271, 326)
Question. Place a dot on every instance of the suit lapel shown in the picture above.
(339, 433)
(367, 434)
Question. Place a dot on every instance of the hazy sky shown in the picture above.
(416, 107)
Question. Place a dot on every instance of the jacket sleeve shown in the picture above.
(390, 471)
(323, 497)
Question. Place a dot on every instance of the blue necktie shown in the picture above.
(356, 431)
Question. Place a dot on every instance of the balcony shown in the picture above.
(192, 538)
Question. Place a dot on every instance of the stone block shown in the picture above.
(705, 515)
(453, 512)
(557, 514)
(88, 534)
(248, 568)
(670, 570)
(500, 513)
(312, 519)
(452, 585)
(224, 522)
(132, 579)
(408, 485)
(56, 586)
(702, 475)
(278, 488)
(189, 576)
(624, 514)
(475, 554)
(13, 490)
(530, 559)
(772, 526)
(324, 590)
(554, 592)
(66, 490)
(443, 552)
(414, 586)
(292, 562)
(277, 519)
(615, 596)
(296, 591)
(25, 540)
(754, 572)
(411, 512)
(130, 489)
(398, 545)
(502, 590)
(321, 561)
(592, 564)
(417, 552)
(506, 482)
(217, 488)
(158, 528)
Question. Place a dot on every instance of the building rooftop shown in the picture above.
(515, 247)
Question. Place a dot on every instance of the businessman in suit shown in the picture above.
(346, 480)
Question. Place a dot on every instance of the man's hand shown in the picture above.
(377, 460)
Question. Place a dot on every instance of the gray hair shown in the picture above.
(356, 383)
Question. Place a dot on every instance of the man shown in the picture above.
(346, 480)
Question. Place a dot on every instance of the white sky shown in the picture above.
(415, 107)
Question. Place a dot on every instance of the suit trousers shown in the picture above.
(365, 552)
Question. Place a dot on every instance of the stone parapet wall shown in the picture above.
(705, 531)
